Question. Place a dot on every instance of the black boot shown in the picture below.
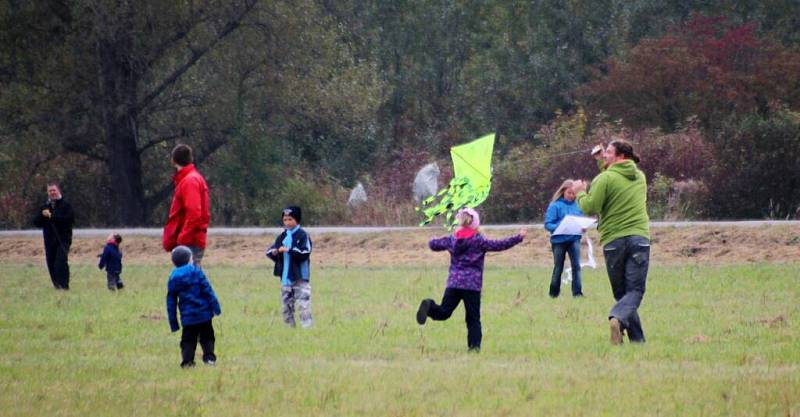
(422, 312)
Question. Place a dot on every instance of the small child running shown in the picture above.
(467, 249)
(111, 260)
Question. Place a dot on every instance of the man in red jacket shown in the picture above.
(189, 214)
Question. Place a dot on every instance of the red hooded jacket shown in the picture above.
(189, 214)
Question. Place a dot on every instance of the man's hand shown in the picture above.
(46, 213)
(578, 186)
(273, 251)
(283, 249)
(523, 232)
(597, 151)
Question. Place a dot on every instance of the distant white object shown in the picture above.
(426, 183)
(574, 225)
(358, 196)
(566, 276)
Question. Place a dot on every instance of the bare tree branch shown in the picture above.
(159, 140)
(80, 150)
(198, 53)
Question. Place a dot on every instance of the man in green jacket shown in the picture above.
(618, 195)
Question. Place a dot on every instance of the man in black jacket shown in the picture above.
(55, 218)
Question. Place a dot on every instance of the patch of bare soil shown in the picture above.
(679, 245)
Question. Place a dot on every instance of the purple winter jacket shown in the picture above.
(466, 257)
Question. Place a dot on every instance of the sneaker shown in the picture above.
(616, 331)
(210, 362)
(474, 349)
(422, 312)
(187, 365)
(120, 285)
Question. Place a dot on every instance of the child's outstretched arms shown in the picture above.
(503, 244)
(439, 244)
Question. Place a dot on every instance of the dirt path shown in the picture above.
(705, 244)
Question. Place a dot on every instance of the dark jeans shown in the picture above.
(627, 260)
(560, 251)
(114, 281)
(191, 333)
(57, 265)
(472, 305)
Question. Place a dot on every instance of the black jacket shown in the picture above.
(298, 255)
(57, 229)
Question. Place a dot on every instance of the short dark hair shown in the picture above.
(53, 183)
(624, 148)
(182, 154)
(117, 238)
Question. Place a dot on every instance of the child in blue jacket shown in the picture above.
(563, 204)
(111, 260)
(291, 252)
(188, 289)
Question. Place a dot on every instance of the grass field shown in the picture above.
(722, 341)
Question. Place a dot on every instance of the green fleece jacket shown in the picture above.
(618, 196)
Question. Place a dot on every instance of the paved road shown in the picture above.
(257, 231)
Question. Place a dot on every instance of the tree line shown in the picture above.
(295, 101)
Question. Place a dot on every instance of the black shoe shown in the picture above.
(577, 295)
(185, 365)
(120, 285)
(422, 312)
(475, 349)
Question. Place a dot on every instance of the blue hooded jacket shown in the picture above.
(188, 289)
(556, 212)
(111, 259)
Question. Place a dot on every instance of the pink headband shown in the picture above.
(476, 219)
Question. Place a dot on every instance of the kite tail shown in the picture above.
(459, 194)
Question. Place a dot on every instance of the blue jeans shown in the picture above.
(560, 251)
(627, 261)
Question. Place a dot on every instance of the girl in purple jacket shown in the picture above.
(467, 249)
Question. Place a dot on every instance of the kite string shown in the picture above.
(536, 158)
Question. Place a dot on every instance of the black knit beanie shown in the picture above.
(294, 212)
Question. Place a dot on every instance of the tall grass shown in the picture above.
(722, 341)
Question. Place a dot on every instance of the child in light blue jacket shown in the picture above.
(563, 204)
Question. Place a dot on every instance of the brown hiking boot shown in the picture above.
(616, 331)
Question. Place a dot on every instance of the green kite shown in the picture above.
(471, 183)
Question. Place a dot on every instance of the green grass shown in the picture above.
(722, 341)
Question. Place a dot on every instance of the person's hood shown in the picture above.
(625, 168)
(565, 201)
(462, 245)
